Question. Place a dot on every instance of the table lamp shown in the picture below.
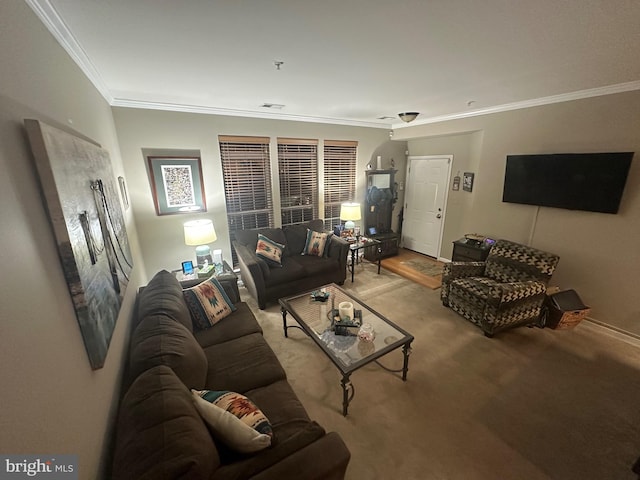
(199, 233)
(349, 212)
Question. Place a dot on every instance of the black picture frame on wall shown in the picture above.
(467, 181)
(177, 185)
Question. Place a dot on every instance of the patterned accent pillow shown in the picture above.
(269, 250)
(316, 243)
(208, 303)
(235, 419)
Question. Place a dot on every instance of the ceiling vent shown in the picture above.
(273, 106)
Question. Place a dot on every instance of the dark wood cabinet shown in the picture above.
(380, 198)
(388, 246)
(466, 251)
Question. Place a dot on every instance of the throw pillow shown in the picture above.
(235, 419)
(327, 247)
(315, 244)
(269, 250)
(208, 303)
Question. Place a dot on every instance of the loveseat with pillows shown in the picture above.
(206, 397)
(277, 262)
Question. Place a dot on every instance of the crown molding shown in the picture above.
(54, 23)
(176, 107)
(49, 16)
(535, 102)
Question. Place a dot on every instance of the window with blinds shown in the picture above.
(298, 172)
(246, 169)
(339, 178)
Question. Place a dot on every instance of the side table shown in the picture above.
(227, 278)
(466, 251)
(355, 247)
(388, 246)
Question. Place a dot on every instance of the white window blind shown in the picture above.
(246, 171)
(339, 178)
(298, 172)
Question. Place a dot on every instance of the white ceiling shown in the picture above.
(349, 61)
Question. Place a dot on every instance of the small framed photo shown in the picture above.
(187, 268)
(467, 181)
(177, 185)
(123, 192)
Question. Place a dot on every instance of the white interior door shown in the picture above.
(424, 204)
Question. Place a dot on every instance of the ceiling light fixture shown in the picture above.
(408, 116)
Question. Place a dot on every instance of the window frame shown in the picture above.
(246, 173)
(298, 179)
(339, 178)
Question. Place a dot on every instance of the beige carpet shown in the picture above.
(529, 404)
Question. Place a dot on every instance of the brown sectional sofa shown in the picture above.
(298, 272)
(159, 433)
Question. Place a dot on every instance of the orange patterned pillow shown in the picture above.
(208, 303)
(235, 419)
(269, 250)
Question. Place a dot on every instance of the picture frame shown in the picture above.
(177, 185)
(123, 192)
(456, 182)
(467, 181)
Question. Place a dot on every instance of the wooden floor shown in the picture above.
(394, 264)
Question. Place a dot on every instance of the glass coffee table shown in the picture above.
(347, 351)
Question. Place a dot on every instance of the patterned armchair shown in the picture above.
(507, 290)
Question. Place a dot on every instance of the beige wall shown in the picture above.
(598, 252)
(161, 237)
(465, 151)
(51, 401)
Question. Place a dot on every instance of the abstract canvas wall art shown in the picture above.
(81, 197)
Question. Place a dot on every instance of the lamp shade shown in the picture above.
(199, 232)
(350, 211)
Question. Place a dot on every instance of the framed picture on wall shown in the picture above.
(467, 181)
(177, 185)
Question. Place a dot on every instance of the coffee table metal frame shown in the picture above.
(295, 306)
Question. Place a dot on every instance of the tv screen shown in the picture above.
(576, 181)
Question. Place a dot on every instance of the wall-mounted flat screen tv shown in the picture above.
(577, 181)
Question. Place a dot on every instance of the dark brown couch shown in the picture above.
(298, 272)
(160, 434)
